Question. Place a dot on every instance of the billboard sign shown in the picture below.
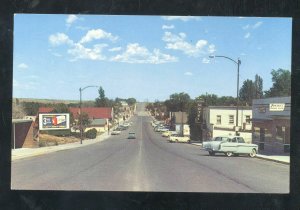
(54, 121)
(277, 107)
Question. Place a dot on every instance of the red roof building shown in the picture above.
(93, 112)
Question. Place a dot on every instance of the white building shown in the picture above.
(221, 120)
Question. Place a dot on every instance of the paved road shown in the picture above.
(147, 163)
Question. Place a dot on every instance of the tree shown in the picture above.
(281, 83)
(101, 101)
(178, 102)
(247, 92)
(258, 87)
(131, 101)
(84, 118)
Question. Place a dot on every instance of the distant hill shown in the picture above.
(52, 101)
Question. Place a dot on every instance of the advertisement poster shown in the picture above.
(54, 121)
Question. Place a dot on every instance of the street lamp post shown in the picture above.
(238, 62)
(80, 118)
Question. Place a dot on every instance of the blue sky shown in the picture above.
(145, 57)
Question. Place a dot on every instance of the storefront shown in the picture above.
(271, 124)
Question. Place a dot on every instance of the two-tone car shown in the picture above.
(229, 146)
(178, 138)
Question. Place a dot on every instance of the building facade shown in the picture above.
(221, 120)
(271, 123)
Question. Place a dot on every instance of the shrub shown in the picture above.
(91, 134)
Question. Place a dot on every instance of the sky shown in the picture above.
(144, 57)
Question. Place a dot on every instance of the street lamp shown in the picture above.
(238, 62)
(80, 90)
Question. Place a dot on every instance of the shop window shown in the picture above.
(218, 120)
(256, 134)
(280, 133)
(248, 121)
(231, 119)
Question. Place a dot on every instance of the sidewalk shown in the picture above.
(285, 159)
(21, 153)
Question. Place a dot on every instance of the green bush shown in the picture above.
(91, 134)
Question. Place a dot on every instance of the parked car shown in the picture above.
(168, 133)
(116, 132)
(179, 138)
(131, 135)
(230, 146)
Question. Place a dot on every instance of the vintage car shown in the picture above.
(116, 131)
(131, 135)
(179, 138)
(168, 133)
(234, 145)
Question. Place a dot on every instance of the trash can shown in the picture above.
(286, 148)
(261, 145)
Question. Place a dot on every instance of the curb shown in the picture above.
(268, 159)
(55, 149)
(257, 156)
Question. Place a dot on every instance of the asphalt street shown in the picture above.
(147, 163)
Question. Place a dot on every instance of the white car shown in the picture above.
(168, 133)
(178, 138)
(115, 132)
(230, 146)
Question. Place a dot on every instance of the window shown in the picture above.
(231, 119)
(248, 121)
(241, 140)
(218, 120)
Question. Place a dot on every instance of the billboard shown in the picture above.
(53, 121)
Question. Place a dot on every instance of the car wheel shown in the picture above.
(211, 153)
(252, 153)
(229, 154)
(176, 140)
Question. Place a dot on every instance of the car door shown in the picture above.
(242, 146)
(230, 145)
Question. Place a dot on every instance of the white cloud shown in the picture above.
(247, 35)
(138, 54)
(188, 73)
(211, 48)
(57, 54)
(23, 66)
(205, 60)
(71, 19)
(182, 18)
(33, 77)
(168, 26)
(178, 42)
(83, 28)
(246, 27)
(59, 39)
(115, 49)
(256, 25)
(80, 52)
(97, 34)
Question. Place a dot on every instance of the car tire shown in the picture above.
(211, 153)
(229, 154)
(252, 153)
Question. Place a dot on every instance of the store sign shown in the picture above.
(54, 121)
(276, 107)
(261, 109)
